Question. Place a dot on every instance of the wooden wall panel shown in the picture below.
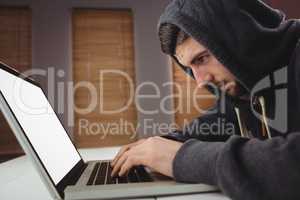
(103, 40)
(15, 50)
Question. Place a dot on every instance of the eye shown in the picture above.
(201, 60)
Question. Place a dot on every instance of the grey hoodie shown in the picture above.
(261, 160)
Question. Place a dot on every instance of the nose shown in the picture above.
(202, 77)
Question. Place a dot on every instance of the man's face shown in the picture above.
(206, 68)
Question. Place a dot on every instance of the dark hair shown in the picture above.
(170, 37)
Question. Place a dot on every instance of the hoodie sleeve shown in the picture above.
(243, 168)
(209, 127)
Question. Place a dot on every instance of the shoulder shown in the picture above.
(295, 59)
(297, 51)
(294, 70)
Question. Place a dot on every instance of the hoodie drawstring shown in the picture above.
(264, 121)
(264, 115)
(237, 111)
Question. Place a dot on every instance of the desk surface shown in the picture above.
(19, 180)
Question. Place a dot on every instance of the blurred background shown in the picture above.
(71, 40)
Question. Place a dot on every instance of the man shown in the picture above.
(233, 44)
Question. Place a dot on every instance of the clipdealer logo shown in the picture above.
(277, 83)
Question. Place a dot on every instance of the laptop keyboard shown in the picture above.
(101, 175)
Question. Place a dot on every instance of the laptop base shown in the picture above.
(135, 190)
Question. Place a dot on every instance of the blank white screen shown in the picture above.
(40, 124)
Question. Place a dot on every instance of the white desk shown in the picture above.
(19, 180)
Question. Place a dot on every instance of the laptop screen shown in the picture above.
(40, 124)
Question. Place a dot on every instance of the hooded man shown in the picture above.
(251, 52)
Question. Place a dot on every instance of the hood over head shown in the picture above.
(248, 37)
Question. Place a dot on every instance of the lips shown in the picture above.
(224, 86)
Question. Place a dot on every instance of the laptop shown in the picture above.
(61, 168)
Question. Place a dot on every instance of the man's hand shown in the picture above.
(156, 153)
